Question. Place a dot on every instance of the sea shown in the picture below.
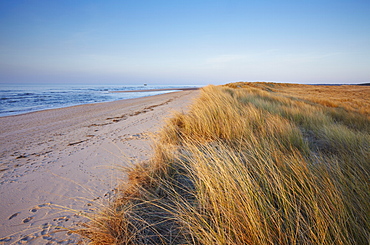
(24, 98)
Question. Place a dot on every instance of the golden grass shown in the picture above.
(350, 97)
(251, 163)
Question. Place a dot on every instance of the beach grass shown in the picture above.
(251, 163)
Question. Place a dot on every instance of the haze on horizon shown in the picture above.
(184, 42)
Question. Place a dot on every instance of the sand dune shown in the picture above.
(54, 162)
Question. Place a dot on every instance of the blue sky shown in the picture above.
(184, 42)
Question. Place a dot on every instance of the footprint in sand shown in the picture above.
(45, 229)
(14, 215)
(26, 239)
(26, 220)
(47, 237)
(34, 209)
(5, 239)
(61, 219)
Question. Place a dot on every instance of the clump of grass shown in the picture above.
(249, 163)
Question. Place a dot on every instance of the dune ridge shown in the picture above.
(251, 163)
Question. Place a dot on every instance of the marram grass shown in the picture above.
(250, 163)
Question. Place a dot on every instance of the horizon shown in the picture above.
(164, 85)
(186, 43)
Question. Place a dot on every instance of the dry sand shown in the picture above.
(55, 163)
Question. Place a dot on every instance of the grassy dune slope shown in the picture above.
(252, 163)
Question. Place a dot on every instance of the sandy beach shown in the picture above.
(55, 163)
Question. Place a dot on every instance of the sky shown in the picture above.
(184, 41)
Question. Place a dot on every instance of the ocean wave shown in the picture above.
(22, 99)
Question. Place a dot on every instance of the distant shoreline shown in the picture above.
(17, 100)
(153, 90)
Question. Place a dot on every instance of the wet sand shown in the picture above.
(55, 163)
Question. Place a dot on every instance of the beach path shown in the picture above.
(54, 163)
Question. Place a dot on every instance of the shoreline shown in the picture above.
(129, 91)
(155, 90)
(56, 162)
